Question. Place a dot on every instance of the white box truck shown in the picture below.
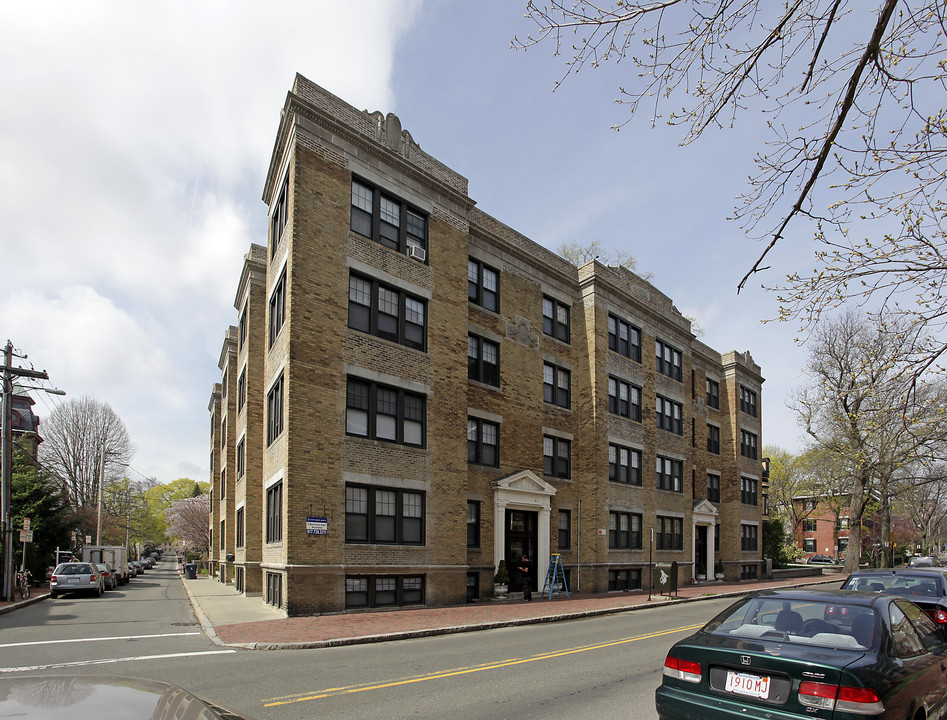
(114, 555)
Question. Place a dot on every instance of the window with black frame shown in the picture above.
(483, 360)
(624, 465)
(388, 220)
(383, 515)
(557, 385)
(387, 312)
(483, 285)
(381, 412)
(624, 338)
(557, 457)
(483, 442)
(556, 319)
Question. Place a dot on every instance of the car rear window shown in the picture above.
(73, 570)
(907, 585)
(806, 622)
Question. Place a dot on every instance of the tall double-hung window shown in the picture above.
(388, 220)
(385, 413)
(387, 312)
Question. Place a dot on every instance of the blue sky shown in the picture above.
(134, 142)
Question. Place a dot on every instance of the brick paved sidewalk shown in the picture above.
(364, 627)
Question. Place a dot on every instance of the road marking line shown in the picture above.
(106, 661)
(96, 639)
(351, 689)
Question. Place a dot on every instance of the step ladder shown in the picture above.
(555, 578)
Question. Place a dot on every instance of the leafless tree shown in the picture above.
(78, 436)
(189, 521)
(924, 502)
(852, 92)
(854, 410)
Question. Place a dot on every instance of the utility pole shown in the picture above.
(6, 463)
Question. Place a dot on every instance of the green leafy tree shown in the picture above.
(36, 495)
(777, 543)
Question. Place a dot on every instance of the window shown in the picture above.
(383, 591)
(483, 361)
(749, 572)
(713, 393)
(386, 312)
(384, 413)
(668, 360)
(280, 215)
(556, 385)
(748, 444)
(808, 545)
(242, 390)
(239, 541)
(274, 589)
(243, 325)
(809, 504)
(483, 285)
(749, 538)
(557, 457)
(223, 433)
(624, 339)
(748, 491)
(626, 579)
(383, 515)
(274, 411)
(624, 465)
(670, 474)
(555, 319)
(274, 513)
(670, 534)
(278, 307)
(713, 439)
(713, 487)
(241, 457)
(809, 525)
(624, 399)
(747, 401)
(223, 534)
(842, 523)
(386, 219)
(624, 531)
(483, 442)
(565, 529)
(669, 415)
(473, 524)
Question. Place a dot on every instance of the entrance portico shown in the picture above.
(704, 533)
(516, 497)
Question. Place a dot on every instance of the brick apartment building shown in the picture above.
(823, 527)
(361, 458)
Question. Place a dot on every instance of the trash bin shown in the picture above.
(190, 571)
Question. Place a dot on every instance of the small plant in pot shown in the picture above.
(718, 570)
(501, 581)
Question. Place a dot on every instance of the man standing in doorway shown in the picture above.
(526, 568)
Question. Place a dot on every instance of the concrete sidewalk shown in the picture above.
(229, 618)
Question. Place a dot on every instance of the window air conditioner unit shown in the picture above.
(417, 253)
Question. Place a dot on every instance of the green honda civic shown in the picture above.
(832, 654)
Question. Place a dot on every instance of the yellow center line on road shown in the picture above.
(351, 689)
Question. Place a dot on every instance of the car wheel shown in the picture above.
(53, 595)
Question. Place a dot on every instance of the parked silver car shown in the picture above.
(76, 577)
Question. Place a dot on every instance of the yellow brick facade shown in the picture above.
(311, 541)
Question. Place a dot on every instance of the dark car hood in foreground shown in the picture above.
(104, 698)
